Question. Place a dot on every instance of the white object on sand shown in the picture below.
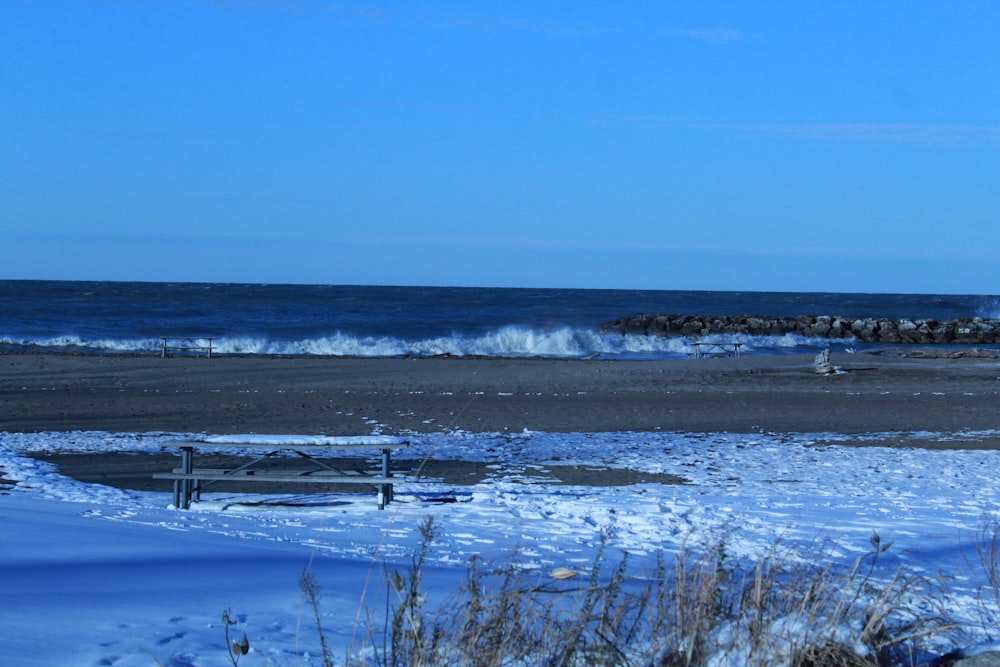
(822, 364)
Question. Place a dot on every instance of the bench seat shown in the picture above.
(323, 476)
(206, 476)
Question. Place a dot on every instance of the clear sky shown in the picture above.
(803, 146)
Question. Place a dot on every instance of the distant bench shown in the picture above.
(716, 349)
(189, 481)
(185, 344)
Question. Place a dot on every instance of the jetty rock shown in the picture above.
(971, 330)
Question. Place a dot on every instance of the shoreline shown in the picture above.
(349, 396)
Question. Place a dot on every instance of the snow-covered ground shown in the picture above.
(92, 575)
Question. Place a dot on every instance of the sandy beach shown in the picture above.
(550, 498)
(339, 396)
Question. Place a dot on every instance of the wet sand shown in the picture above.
(353, 396)
(134, 471)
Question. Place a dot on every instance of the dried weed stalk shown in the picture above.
(701, 609)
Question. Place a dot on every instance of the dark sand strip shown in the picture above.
(134, 471)
(351, 396)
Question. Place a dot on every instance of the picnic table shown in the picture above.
(321, 453)
(704, 349)
(187, 344)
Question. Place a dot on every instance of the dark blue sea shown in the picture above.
(372, 321)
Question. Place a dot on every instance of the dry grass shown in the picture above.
(311, 591)
(698, 610)
(988, 554)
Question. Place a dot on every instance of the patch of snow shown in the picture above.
(94, 575)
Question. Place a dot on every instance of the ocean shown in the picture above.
(386, 321)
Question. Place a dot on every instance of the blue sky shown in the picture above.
(704, 145)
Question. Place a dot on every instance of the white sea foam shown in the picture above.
(510, 341)
(56, 343)
(990, 308)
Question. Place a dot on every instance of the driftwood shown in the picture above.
(822, 364)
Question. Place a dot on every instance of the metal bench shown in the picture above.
(190, 481)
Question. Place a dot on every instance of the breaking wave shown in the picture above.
(511, 341)
(990, 308)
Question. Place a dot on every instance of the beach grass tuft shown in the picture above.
(987, 550)
(697, 608)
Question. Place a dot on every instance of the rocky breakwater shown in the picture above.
(972, 330)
